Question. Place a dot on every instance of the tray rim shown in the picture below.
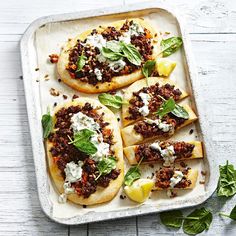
(32, 114)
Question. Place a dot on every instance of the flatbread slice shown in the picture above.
(131, 137)
(101, 194)
(117, 81)
(137, 86)
(130, 153)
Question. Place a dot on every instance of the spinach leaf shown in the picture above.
(232, 214)
(167, 107)
(180, 112)
(170, 45)
(81, 62)
(132, 174)
(131, 53)
(172, 218)
(227, 181)
(198, 221)
(105, 166)
(113, 56)
(111, 100)
(47, 124)
(148, 68)
(82, 141)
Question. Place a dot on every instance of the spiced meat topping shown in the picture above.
(87, 74)
(164, 175)
(165, 91)
(63, 152)
(182, 150)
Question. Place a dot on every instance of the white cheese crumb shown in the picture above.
(144, 110)
(161, 125)
(96, 40)
(117, 65)
(73, 171)
(98, 74)
(176, 178)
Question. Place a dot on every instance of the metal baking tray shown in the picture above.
(45, 36)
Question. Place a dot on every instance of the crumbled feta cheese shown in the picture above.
(161, 125)
(73, 171)
(98, 74)
(96, 40)
(117, 65)
(68, 188)
(144, 110)
(176, 178)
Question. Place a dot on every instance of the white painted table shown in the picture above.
(212, 27)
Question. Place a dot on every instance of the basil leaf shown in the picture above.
(131, 53)
(82, 141)
(111, 100)
(227, 181)
(47, 124)
(167, 107)
(232, 214)
(114, 46)
(148, 68)
(170, 45)
(105, 166)
(180, 112)
(198, 221)
(81, 62)
(172, 218)
(132, 174)
(113, 56)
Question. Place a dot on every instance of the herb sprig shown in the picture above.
(170, 45)
(47, 124)
(232, 214)
(109, 100)
(81, 62)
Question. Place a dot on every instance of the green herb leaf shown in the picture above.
(111, 100)
(81, 62)
(113, 56)
(170, 45)
(172, 218)
(131, 53)
(232, 214)
(148, 68)
(47, 124)
(180, 112)
(114, 46)
(82, 141)
(227, 181)
(105, 166)
(167, 107)
(132, 174)
(198, 221)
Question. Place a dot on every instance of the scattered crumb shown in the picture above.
(152, 175)
(53, 58)
(118, 119)
(64, 96)
(122, 197)
(69, 39)
(21, 77)
(37, 80)
(46, 78)
(155, 35)
(113, 92)
(75, 96)
(201, 182)
(55, 104)
(191, 131)
(84, 206)
(203, 173)
(54, 92)
(59, 80)
(97, 87)
(171, 193)
(36, 69)
(183, 164)
(167, 32)
(151, 165)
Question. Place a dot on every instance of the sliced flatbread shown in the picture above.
(196, 153)
(138, 85)
(131, 137)
(116, 82)
(102, 194)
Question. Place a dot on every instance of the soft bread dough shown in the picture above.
(130, 153)
(117, 82)
(102, 194)
(135, 87)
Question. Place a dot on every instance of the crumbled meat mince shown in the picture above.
(142, 42)
(166, 91)
(63, 152)
(182, 150)
(164, 175)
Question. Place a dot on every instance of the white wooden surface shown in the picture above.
(212, 27)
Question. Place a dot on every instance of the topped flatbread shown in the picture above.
(108, 57)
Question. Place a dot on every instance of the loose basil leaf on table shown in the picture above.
(111, 55)
(172, 218)
(105, 166)
(170, 45)
(232, 214)
(82, 141)
(227, 181)
(197, 221)
(111, 100)
(47, 124)
(81, 62)
(148, 68)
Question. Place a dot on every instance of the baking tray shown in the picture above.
(45, 36)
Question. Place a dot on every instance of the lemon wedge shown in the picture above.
(140, 190)
(164, 66)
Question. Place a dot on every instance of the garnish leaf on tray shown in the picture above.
(227, 181)
(172, 218)
(180, 112)
(109, 100)
(170, 45)
(232, 214)
(47, 124)
(148, 68)
(81, 62)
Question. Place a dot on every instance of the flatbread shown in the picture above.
(131, 137)
(135, 87)
(102, 194)
(197, 153)
(117, 82)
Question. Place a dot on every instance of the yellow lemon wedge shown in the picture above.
(164, 66)
(140, 190)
